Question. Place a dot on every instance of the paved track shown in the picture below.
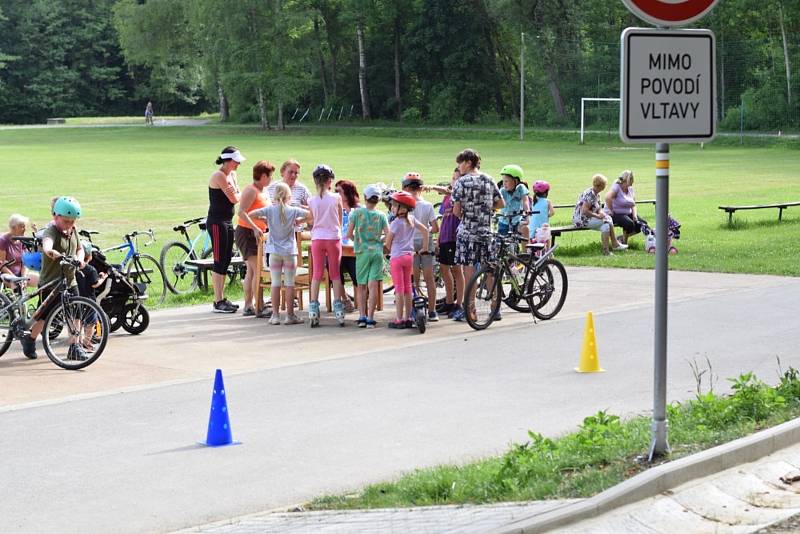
(330, 409)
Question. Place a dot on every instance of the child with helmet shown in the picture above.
(326, 243)
(365, 227)
(60, 238)
(541, 211)
(400, 242)
(425, 213)
(515, 194)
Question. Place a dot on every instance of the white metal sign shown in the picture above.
(668, 90)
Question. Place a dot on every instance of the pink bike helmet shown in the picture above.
(540, 186)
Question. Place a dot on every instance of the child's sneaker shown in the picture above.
(275, 319)
(397, 324)
(313, 313)
(433, 316)
(454, 311)
(459, 315)
(409, 323)
(620, 246)
(338, 312)
(76, 353)
(362, 322)
(292, 319)
(370, 323)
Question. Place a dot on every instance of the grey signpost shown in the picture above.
(667, 95)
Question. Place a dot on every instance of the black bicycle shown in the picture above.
(534, 277)
(73, 322)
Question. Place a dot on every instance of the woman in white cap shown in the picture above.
(223, 195)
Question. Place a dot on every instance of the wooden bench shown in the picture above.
(205, 265)
(730, 210)
(57, 120)
(556, 231)
(648, 201)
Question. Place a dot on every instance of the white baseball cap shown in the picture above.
(372, 191)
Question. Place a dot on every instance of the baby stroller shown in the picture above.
(673, 232)
(121, 299)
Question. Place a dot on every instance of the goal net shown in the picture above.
(600, 114)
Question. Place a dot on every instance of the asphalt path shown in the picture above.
(114, 447)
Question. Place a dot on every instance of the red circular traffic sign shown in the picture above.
(669, 12)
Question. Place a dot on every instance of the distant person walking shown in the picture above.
(148, 114)
(223, 195)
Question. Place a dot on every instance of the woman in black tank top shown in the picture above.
(223, 194)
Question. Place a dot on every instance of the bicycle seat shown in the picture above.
(535, 246)
(11, 279)
(179, 228)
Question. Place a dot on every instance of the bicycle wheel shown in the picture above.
(547, 290)
(512, 295)
(136, 319)
(6, 319)
(180, 278)
(482, 298)
(146, 270)
(79, 321)
(421, 320)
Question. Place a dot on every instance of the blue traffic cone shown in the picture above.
(219, 424)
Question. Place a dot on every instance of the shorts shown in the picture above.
(425, 260)
(503, 228)
(369, 267)
(245, 241)
(282, 265)
(447, 253)
(469, 250)
(221, 233)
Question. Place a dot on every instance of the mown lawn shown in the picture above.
(135, 177)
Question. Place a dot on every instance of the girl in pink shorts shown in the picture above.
(400, 242)
(326, 243)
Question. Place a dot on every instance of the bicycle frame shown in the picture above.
(192, 242)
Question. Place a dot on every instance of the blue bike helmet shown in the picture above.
(67, 207)
(32, 260)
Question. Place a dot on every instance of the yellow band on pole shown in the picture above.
(662, 164)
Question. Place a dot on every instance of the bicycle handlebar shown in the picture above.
(187, 224)
(136, 233)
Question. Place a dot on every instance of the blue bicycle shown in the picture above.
(181, 276)
(139, 267)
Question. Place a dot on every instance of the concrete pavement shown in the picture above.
(330, 409)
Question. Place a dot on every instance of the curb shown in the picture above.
(664, 477)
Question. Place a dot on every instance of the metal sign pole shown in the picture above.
(522, 87)
(659, 445)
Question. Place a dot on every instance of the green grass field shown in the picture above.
(130, 178)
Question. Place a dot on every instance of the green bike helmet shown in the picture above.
(67, 207)
(515, 171)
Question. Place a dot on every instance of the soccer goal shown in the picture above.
(583, 110)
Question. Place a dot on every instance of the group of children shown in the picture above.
(407, 235)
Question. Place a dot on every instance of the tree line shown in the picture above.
(441, 61)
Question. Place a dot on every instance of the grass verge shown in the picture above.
(603, 452)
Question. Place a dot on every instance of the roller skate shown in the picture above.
(338, 312)
(313, 313)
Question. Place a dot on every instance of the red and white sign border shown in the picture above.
(669, 12)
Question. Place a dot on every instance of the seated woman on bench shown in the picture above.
(588, 214)
(621, 205)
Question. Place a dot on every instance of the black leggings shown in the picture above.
(628, 224)
(348, 265)
(221, 233)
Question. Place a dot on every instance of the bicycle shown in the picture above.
(73, 321)
(138, 266)
(182, 277)
(542, 284)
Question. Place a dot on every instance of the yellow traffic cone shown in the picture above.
(589, 362)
